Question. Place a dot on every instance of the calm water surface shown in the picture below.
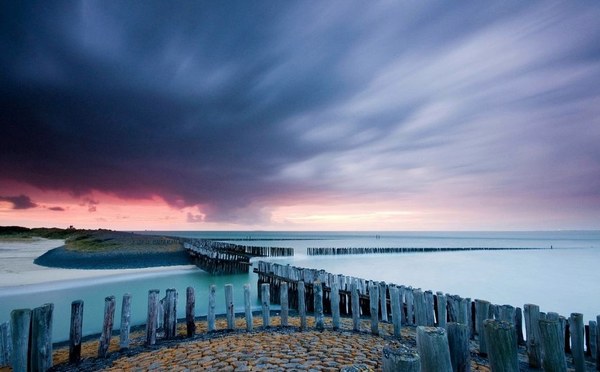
(563, 279)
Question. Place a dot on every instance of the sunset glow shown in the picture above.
(286, 116)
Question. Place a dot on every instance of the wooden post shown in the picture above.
(532, 330)
(458, 341)
(266, 305)
(501, 340)
(152, 319)
(482, 308)
(335, 304)
(396, 310)
(374, 305)
(5, 344)
(302, 304)
(125, 321)
(429, 310)
(109, 317)
(552, 346)
(519, 325)
(20, 325)
(190, 311)
(463, 311)
(318, 305)
(399, 358)
(355, 299)
(420, 308)
(212, 299)
(432, 343)
(507, 313)
(442, 309)
(75, 332)
(577, 334)
(171, 314)
(41, 338)
(593, 339)
(248, 308)
(284, 302)
(229, 307)
(410, 306)
(383, 301)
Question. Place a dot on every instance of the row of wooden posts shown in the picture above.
(321, 251)
(32, 346)
(228, 258)
(444, 323)
(360, 297)
(253, 251)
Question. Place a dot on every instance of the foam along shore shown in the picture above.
(17, 267)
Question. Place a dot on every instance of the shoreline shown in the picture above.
(64, 258)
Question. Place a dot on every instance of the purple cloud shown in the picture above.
(19, 202)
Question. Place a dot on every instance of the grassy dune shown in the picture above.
(102, 249)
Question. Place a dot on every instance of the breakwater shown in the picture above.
(359, 297)
(227, 258)
(321, 251)
(437, 316)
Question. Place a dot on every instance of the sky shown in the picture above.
(300, 115)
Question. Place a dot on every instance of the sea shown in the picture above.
(561, 274)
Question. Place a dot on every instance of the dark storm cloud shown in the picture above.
(56, 209)
(232, 107)
(19, 202)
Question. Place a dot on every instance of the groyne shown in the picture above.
(227, 258)
(321, 251)
(447, 326)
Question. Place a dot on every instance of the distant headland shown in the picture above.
(102, 249)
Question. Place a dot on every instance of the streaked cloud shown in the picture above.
(234, 113)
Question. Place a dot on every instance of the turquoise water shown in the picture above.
(563, 279)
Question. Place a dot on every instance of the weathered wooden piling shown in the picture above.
(355, 306)
(284, 302)
(107, 326)
(532, 331)
(410, 306)
(593, 345)
(210, 317)
(552, 346)
(170, 325)
(442, 314)
(318, 305)
(374, 304)
(501, 340)
(383, 301)
(458, 342)
(248, 308)
(152, 319)
(5, 344)
(432, 343)
(266, 305)
(577, 337)
(229, 307)
(41, 338)
(420, 307)
(76, 331)
(125, 321)
(464, 311)
(302, 304)
(482, 308)
(429, 308)
(20, 326)
(519, 326)
(190, 311)
(399, 358)
(335, 305)
(396, 310)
